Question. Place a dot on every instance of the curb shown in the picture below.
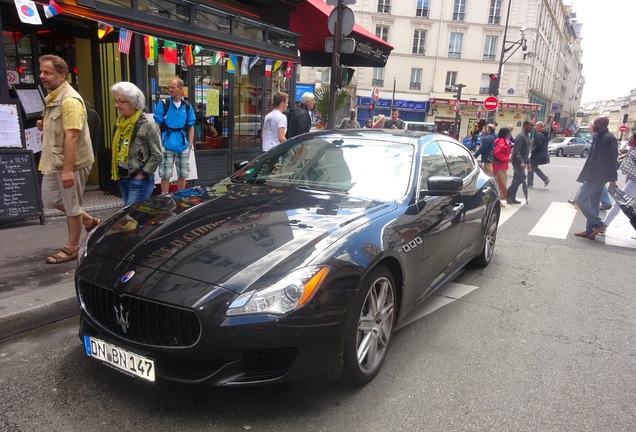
(37, 308)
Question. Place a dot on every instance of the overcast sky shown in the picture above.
(608, 41)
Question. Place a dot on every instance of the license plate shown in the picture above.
(119, 358)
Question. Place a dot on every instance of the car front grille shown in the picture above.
(138, 320)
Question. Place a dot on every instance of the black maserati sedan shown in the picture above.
(299, 267)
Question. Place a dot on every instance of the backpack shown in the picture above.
(184, 129)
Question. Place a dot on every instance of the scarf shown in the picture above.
(123, 134)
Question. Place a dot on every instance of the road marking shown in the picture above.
(446, 294)
(508, 211)
(556, 221)
(620, 232)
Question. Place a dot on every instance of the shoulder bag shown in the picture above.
(627, 167)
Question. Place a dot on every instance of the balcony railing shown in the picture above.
(454, 54)
(490, 57)
(484, 90)
(494, 19)
(385, 9)
(377, 82)
(459, 16)
(419, 50)
(415, 86)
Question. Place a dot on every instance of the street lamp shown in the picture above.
(507, 46)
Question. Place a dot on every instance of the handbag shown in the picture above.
(627, 167)
(544, 160)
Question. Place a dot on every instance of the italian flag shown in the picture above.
(216, 57)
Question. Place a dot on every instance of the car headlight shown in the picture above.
(288, 294)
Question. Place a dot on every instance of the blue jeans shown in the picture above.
(605, 197)
(134, 190)
(587, 200)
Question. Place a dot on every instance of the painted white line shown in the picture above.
(620, 232)
(556, 221)
(448, 293)
(508, 211)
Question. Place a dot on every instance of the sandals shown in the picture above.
(62, 256)
(94, 222)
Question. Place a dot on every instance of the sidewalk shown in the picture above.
(32, 292)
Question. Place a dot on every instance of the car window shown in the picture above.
(460, 161)
(432, 164)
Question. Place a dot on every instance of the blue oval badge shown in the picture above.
(128, 276)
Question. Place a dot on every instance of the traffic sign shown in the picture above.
(555, 126)
(347, 45)
(375, 94)
(456, 106)
(347, 21)
(623, 128)
(491, 103)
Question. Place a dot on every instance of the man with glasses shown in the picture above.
(519, 158)
(67, 154)
(175, 119)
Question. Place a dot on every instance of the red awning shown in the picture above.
(310, 21)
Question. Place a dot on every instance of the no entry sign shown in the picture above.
(491, 103)
(623, 128)
(555, 126)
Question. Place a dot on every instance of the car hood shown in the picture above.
(230, 235)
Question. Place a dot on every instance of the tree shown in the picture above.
(321, 97)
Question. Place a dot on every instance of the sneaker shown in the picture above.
(530, 187)
(546, 183)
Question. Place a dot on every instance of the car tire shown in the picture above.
(559, 152)
(584, 153)
(483, 259)
(370, 327)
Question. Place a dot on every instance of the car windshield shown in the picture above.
(353, 165)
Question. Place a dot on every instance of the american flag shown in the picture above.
(125, 37)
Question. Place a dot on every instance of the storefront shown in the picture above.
(409, 110)
(472, 111)
(229, 54)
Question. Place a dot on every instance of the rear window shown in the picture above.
(420, 127)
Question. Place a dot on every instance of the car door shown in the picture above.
(438, 230)
(462, 164)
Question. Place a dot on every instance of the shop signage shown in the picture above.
(476, 103)
(400, 104)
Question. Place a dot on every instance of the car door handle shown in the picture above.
(458, 208)
(486, 191)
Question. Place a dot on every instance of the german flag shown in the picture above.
(189, 56)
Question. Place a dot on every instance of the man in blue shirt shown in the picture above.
(175, 119)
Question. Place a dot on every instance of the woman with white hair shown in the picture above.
(136, 144)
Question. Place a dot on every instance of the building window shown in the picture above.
(459, 10)
(494, 12)
(325, 76)
(416, 79)
(490, 48)
(422, 9)
(451, 79)
(378, 77)
(484, 84)
(382, 32)
(384, 6)
(455, 46)
(419, 42)
(165, 9)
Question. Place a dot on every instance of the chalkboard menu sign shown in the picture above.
(19, 194)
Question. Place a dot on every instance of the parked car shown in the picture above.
(300, 266)
(419, 126)
(468, 142)
(247, 124)
(569, 146)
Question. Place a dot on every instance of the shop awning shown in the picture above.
(310, 21)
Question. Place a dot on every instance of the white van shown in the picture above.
(419, 126)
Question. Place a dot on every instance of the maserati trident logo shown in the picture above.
(122, 318)
(128, 276)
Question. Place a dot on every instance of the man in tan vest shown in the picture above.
(67, 154)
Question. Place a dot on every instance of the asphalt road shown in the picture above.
(544, 340)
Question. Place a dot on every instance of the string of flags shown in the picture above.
(28, 14)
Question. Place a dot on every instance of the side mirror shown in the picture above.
(443, 186)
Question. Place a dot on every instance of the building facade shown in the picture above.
(439, 44)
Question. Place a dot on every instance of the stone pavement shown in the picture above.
(32, 292)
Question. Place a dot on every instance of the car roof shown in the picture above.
(393, 135)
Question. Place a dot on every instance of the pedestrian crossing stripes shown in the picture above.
(556, 222)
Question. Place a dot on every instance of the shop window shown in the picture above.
(122, 3)
(165, 9)
(19, 60)
(250, 32)
(212, 21)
